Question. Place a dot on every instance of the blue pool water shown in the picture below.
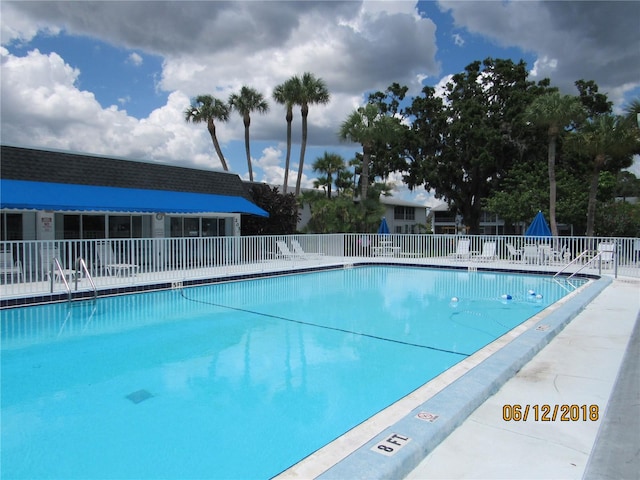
(240, 379)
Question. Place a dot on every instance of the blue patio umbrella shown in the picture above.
(539, 227)
(383, 229)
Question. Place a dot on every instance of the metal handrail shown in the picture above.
(81, 265)
(55, 264)
(589, 262)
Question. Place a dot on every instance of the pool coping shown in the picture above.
(428, 424)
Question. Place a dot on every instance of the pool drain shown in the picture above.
(139, 396)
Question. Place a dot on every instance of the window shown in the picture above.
(11, 226)
(88, 227)
(213, 227)
(70, 226)
(404, 213)
(197, 227)
(128, 226)
(119, 226)
(191, 227)
(93, 226)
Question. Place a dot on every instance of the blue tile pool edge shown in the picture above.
(457, 401)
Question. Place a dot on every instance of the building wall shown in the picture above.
(403, 219)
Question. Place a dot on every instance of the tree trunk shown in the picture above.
(212, 132)
(593, 193)
(471, 218)
(364, 176)
(552, 185)
(247, 123)
(303, 146)
(288, 159)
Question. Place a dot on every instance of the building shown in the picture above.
(445, 221)
(403, 216)
(54, 195)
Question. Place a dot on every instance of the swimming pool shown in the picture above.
(239, 379)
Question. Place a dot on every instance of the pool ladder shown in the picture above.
(81, 266)
(597, 256)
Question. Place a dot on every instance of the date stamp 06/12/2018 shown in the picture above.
(550, 413)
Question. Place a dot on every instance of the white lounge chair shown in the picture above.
(488, 253)
(514, 254)
(462, 251)
(297, 250)
(285, 252)
(108, 261)
(9, 268)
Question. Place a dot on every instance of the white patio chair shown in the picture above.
(530, 254)
(108, 261)
(9, 268)
(607, 252)
(462, 250)
(49, 252)
(514, 254)
(488, 253)
(544, 254)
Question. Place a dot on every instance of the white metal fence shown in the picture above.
(27, 267)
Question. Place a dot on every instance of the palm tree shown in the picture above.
(286, 94)
(610, 141)
(328, 164)
(205, 108)
(632, 112)
(367, 127)
(555, 112)
(247, 101)
(310, 90)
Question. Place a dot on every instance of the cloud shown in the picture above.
(277, 39)
(216, 47)
(72, 119)
(572, 40)
(135, 59)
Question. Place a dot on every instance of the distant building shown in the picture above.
(446, 222)
(403, 216)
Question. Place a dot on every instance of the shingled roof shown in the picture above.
(18, 163)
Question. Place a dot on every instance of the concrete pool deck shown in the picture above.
(578, 366)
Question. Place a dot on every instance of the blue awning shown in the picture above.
(24, 195)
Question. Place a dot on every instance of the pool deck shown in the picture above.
(584, 364)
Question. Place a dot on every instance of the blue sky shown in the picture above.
(114, 78)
